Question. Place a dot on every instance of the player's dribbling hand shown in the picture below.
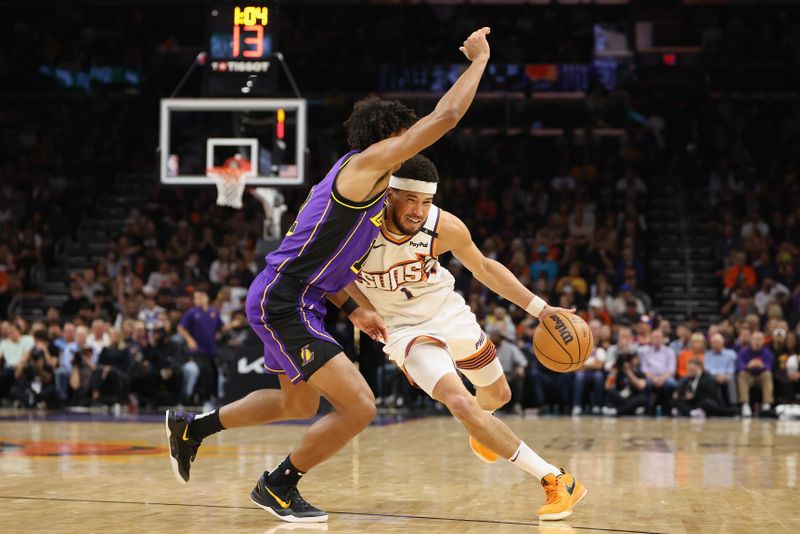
(476, 44)
(370, 323)
(550, 310)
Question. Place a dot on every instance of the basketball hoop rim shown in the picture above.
(229, 174)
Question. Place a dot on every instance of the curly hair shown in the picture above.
(374, 119)
(418, 168)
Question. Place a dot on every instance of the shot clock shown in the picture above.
(240, 43)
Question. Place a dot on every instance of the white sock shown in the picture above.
(529, 461)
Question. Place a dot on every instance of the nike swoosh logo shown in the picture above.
(378, 246)
(280, 501)
(571, 488)
(185, 429)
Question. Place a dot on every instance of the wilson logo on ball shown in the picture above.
(562, 330)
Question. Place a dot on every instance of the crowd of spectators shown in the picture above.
(139, 327)
(749, 153)
(751, 193)
(51, 168)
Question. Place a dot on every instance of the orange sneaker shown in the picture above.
(563, 493)
(482, 451)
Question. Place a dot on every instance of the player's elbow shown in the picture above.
(448, 118)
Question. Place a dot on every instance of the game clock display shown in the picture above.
(241, 37)
(241, 41)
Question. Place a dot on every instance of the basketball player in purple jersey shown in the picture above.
(318, 258)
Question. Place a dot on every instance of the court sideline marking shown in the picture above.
(368, 514)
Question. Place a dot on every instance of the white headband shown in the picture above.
(409, 184)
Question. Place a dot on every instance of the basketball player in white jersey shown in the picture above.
(432, 332)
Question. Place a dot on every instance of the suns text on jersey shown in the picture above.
(397, 275)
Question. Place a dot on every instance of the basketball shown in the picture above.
(562, 342)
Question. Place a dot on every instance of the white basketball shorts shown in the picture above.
(457, 330)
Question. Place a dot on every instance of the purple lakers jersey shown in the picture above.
(331, 237)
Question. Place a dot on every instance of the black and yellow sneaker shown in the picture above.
(285, 503)
(182, 447)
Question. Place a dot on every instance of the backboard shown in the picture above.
(199, 133)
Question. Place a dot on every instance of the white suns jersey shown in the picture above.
(402, 277)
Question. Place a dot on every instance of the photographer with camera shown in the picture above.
(80, 379)
(158, 373)
(109, 381)
(626, 387)
(144, 369)
(34, 375)
(235, 332)
(232, 336)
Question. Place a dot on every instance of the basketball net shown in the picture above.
(231, 180)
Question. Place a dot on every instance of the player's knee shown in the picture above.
(496, 395)
(462, 406)
(503, 398)
(363, 411)
(364, 415)
(502, 394)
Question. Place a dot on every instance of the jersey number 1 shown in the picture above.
(407, 293)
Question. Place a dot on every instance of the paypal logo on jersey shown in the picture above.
(418, 245)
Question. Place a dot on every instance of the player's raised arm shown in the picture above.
(455, 237)
(357, 180)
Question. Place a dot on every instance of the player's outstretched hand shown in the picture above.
(476, 44)
(370, 323)
(550, 310)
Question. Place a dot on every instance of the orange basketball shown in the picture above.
(562, 342)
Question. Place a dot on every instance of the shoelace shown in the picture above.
(298, 501)
(551, 490)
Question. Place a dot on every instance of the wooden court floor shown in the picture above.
(643, 475)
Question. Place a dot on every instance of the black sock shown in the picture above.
(285, 474)
(205, 424)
